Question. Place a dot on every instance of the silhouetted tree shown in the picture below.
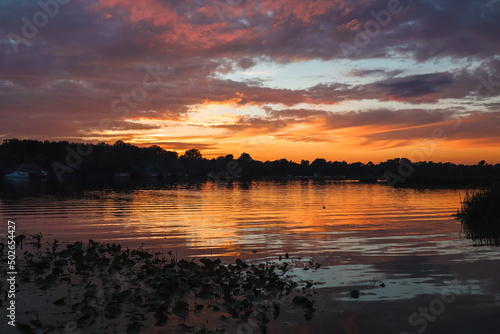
(245, 157)
(192, 154)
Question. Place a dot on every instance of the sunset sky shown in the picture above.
(341, 80)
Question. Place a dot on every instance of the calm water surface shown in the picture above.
(299, 217)
(365, 234)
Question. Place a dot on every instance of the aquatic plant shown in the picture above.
(480, 216)
(354, 293)
(105, 288)
(306, 304)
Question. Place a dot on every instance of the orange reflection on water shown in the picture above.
(232, 220)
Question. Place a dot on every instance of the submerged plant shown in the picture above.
(354, 293)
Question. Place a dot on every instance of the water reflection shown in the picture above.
(405, 238)
(299, 217)
(481, 233)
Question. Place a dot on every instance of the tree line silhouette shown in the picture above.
(80, 160)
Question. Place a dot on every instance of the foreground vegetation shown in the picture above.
(104, 288)
(480, 216)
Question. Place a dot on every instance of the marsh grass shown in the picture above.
(480, 216)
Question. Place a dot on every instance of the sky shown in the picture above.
(341, 80)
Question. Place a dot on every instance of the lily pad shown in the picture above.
(60, 302)
(181, 309)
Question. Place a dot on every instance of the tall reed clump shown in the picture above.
(480, 216)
